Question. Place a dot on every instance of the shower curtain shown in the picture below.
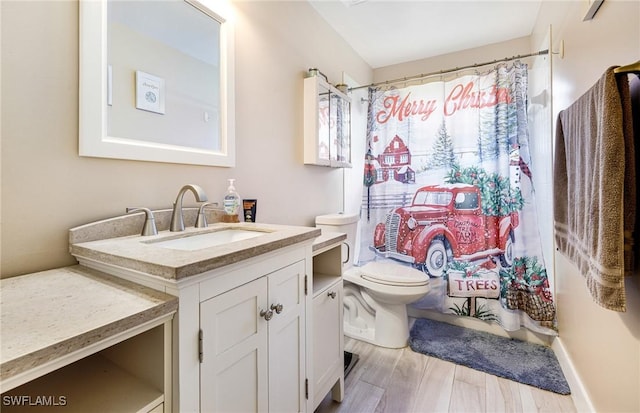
(448, 190)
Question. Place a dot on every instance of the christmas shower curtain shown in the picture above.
(448, 190)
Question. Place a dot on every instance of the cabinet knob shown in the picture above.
(277, 308)
(268, 315)
(332, 294)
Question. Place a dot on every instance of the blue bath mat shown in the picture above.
(516, 360)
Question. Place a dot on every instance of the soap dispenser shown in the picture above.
(231, 203)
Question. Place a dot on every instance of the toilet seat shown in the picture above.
(388, 273)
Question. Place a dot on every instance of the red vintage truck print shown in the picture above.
(445, 223)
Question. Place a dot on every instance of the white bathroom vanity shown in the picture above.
(254, 320)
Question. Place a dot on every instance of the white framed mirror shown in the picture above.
(156, 81)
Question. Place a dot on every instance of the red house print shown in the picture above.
(395, 155)
(396, 158)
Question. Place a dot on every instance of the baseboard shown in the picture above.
(578, 391)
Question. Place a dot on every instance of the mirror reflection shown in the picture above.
(163, 83)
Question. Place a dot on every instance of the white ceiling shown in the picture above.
(386, 32)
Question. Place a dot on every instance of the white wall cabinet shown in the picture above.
(328, 336)
(253, 345)
(327, 124)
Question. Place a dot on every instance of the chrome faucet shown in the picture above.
(149, 227)
(201, 221)
(177, 220)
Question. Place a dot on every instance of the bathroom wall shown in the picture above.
(467, 57)
(47, 188)
(603, 345)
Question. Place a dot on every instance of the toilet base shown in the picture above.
(392, 326)
(386, 326)
(368, 337)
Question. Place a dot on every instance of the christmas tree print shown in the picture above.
(498, 197)
(443, 155)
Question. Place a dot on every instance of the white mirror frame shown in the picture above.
(93, 138)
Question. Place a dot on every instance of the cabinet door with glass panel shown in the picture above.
(327, 124)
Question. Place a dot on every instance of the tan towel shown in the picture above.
(594, 187)
(632, 246)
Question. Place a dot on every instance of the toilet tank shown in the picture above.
(345, 223)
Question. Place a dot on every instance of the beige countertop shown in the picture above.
(139, 253)
(327, 239)
(53, 313)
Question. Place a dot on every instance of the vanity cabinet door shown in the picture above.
(328, 356)
(253, 345)
(287, 339)
(233, 369)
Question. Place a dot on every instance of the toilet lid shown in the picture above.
(389, 273)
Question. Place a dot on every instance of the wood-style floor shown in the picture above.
(402, 381)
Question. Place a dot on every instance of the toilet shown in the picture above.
(376, 294)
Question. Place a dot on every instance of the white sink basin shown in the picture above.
(207, 240)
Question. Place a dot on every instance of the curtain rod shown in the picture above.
(442, 72)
